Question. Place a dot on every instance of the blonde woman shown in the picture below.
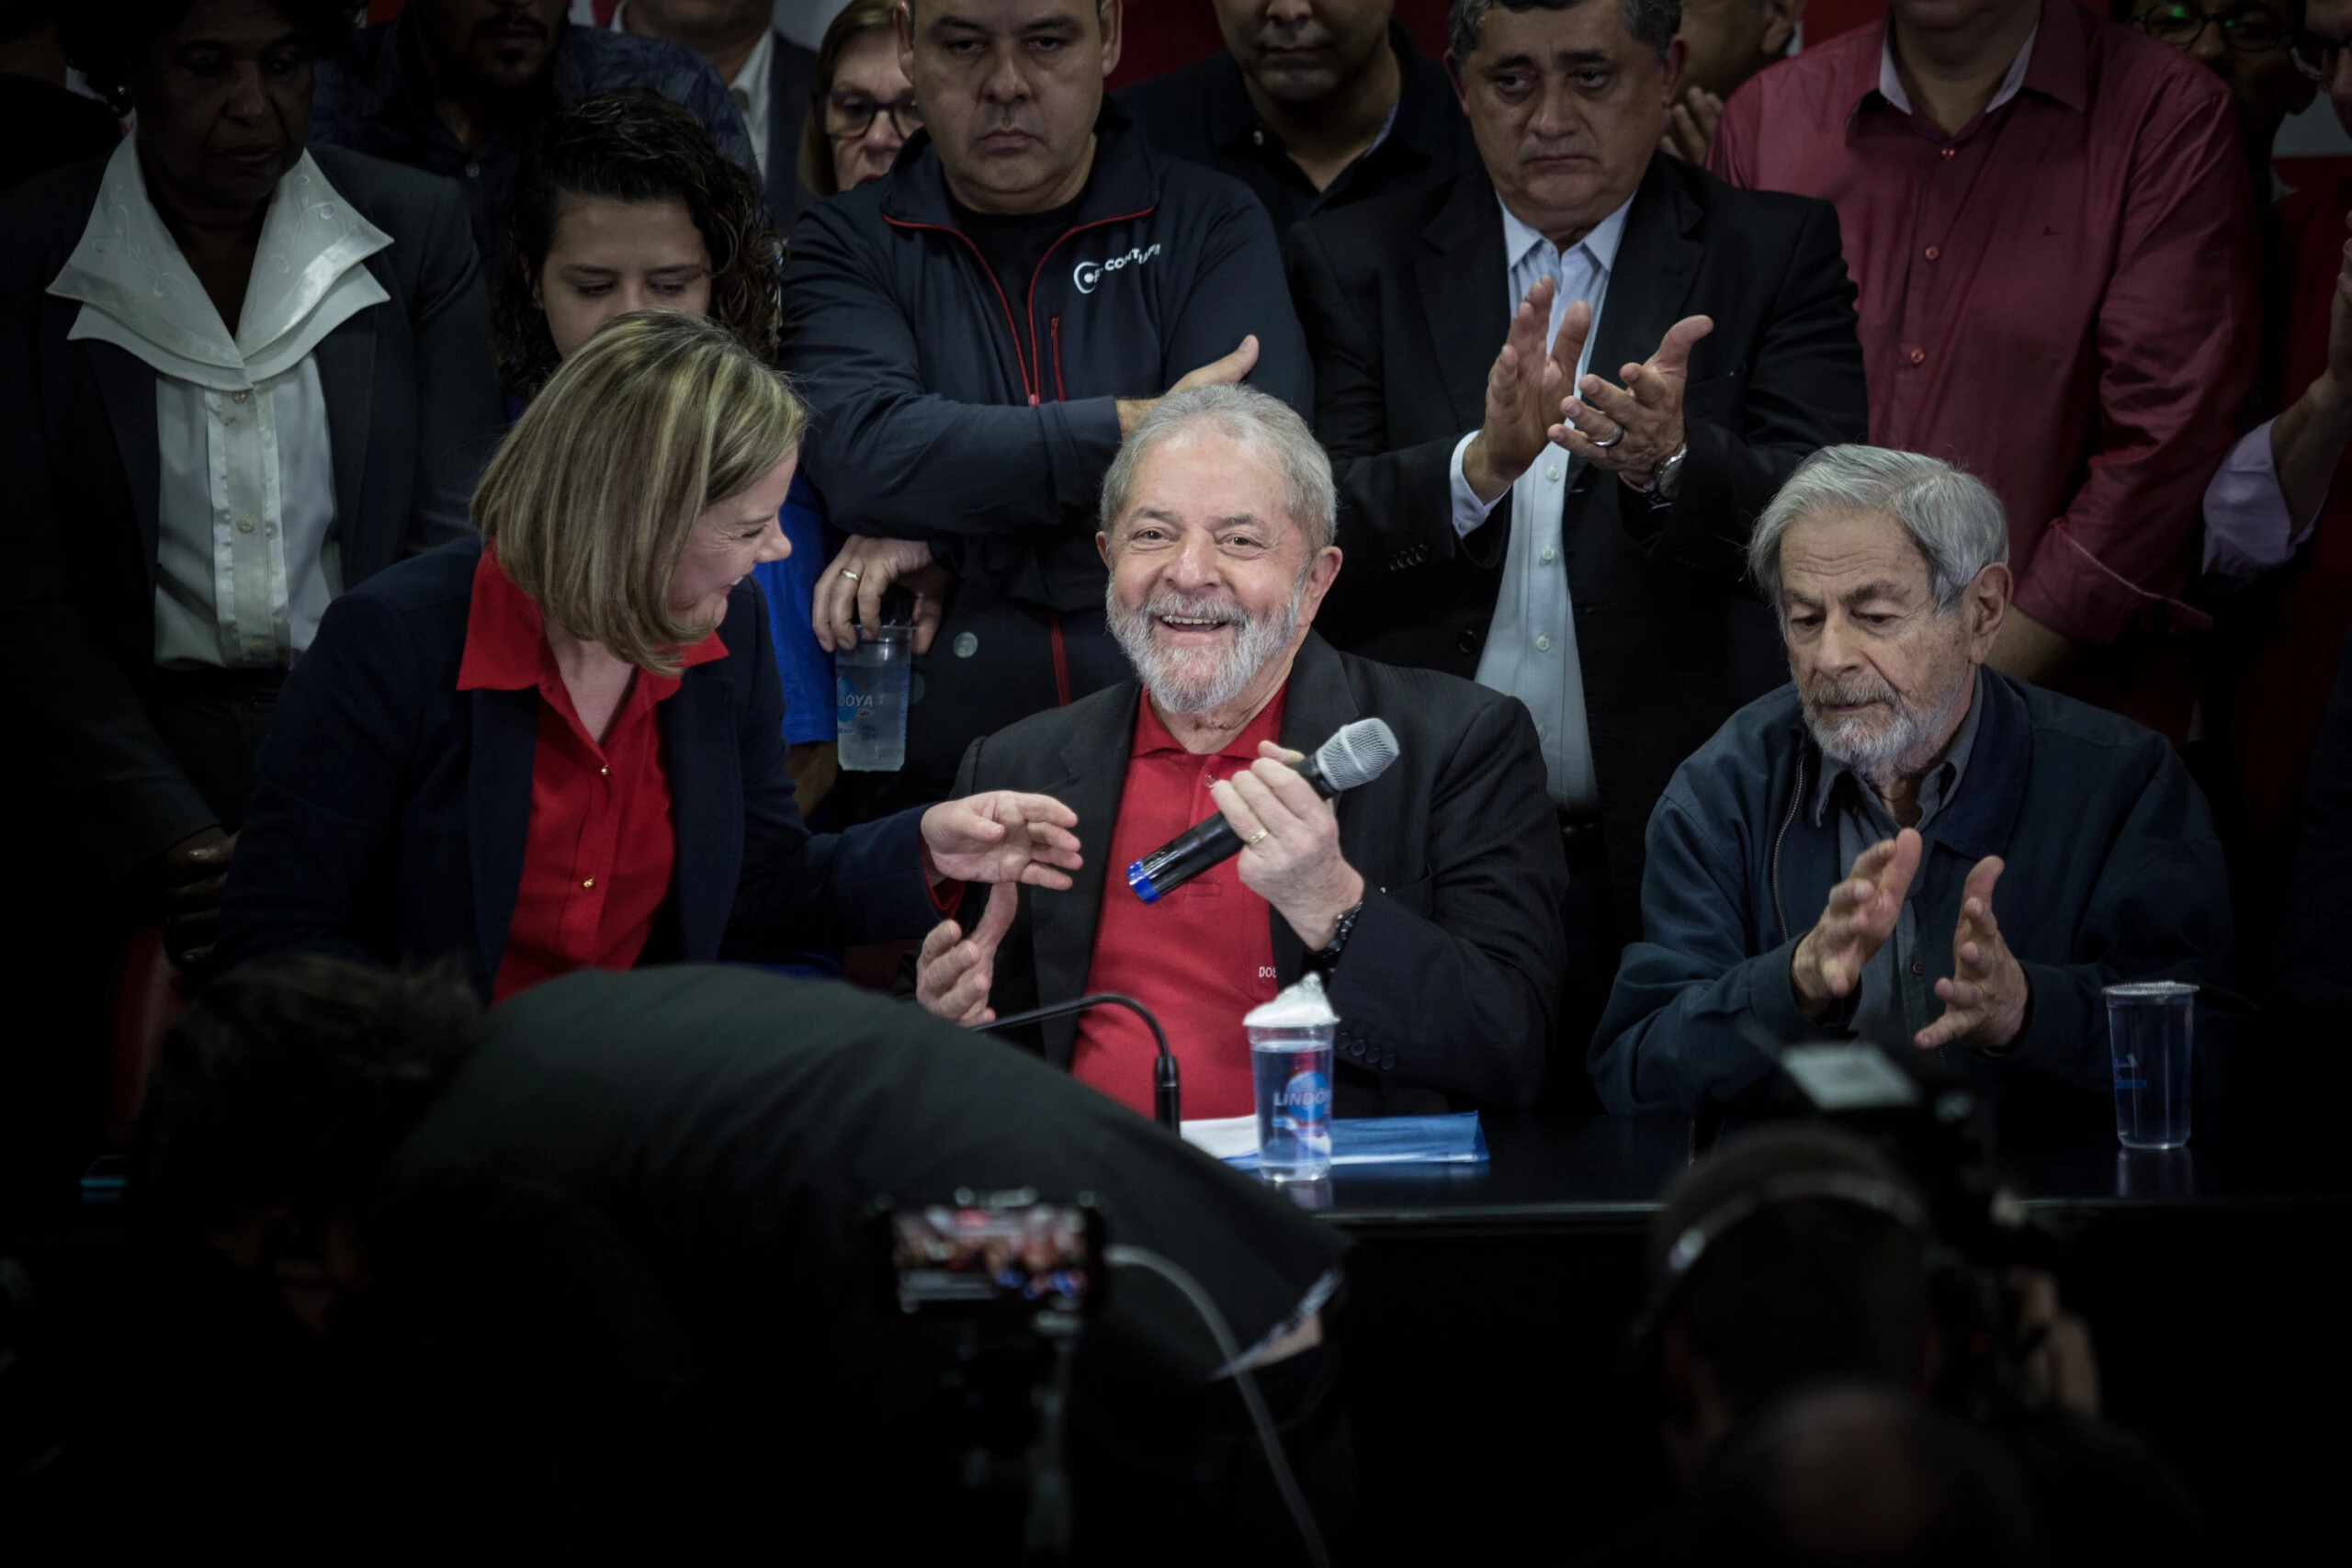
(559, 745)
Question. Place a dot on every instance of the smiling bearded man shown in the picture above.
(1983, 855)
(1427, 898)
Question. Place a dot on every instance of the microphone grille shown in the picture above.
(1358, 754)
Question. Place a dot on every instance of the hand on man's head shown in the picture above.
(1859, 916)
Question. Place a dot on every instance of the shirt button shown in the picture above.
(239, 397)
(590, 883)
(473, 171)
(245, 525)
(1933, 251)
(603, 772)
(1553, 472)
(1257, 139)
(1543, 645)
(1952, 152)
(1918, 356)
(1550, 555)
(1918, 966)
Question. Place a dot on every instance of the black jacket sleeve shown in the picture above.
(1454, 981)
(1804, 392)
(893, 457)
(330, 787)
(458, 405)
(2311, 972)
(1395, 503)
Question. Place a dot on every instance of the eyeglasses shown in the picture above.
(2246, 31)
(849, 116)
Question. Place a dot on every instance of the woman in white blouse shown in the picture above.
(236, 377)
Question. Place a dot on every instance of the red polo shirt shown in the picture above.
(1201, 957)
(601, 850)
(2060, 299)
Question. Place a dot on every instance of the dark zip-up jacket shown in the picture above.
(946, 411)
(2112, 873)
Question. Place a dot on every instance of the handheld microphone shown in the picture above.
(1359, 753)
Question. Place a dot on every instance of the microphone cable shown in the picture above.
(1120, 1256)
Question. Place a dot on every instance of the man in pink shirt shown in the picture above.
(2048, 219)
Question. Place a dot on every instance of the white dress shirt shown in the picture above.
(749, 89)
(2247, 530)
(1532, 644)
(245, 553)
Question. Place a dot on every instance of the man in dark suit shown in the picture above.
(771, 78)
(1312, 104)
(1427, 898)
(1553, 501)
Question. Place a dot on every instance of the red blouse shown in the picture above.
(601, 850)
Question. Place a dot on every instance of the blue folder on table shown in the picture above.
(1399, 1140)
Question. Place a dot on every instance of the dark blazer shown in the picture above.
(1450, 986)
(390, 821)
(412, 408)
(792, 87)
(1404, 304)
(2114, 872)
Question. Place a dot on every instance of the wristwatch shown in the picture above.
(1667, 483)
(1328, 954)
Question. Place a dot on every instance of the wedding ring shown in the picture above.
(1251, 842)
(852, 576)
(1613, 441)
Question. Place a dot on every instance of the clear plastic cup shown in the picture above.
(870, 686)
(2150, 1028)
(1290, 1068)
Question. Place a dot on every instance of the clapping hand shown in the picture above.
(1985, 999)
(1002, 835)
(1855, 923)
(1630, 430)
(1523, 387)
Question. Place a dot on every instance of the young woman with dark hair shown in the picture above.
(623, 204)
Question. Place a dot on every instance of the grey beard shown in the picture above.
(1171, 685)
(1893, 750)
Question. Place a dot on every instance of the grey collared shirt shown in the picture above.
(1894, 1001)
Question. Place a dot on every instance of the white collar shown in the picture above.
(136, 289)
(1889, 81)
(1600, 244)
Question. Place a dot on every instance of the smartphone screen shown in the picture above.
(995, 1257)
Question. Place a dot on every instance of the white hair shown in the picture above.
(1952, 518)
(1265, 427)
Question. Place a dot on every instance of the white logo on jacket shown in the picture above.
(1087, 274)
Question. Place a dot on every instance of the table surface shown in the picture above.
(1569, 1173)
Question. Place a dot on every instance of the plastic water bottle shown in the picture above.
(1290, 1066)
(870, 700)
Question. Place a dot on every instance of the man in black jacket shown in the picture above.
(1902, 845)
(1313, 104)
(621, 1223)
(978, 330)
(1588, 560)
(1427, 898)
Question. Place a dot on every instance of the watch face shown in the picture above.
(1670, 477)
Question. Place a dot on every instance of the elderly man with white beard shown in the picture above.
(1977, 856)
(1427, 898)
